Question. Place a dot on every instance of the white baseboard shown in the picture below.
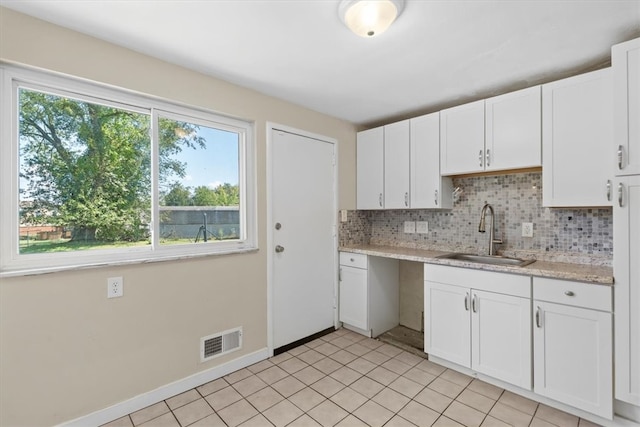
(142, 401)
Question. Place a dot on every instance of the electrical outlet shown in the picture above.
(422, 227)
(527, 229)
(115, 287)
(343, 215)
(409, 227)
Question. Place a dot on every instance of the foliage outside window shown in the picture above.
(96, 175)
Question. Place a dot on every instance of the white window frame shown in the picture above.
(12, 263)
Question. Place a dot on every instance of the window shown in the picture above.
(94, 175)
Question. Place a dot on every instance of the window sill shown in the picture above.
(33, 271)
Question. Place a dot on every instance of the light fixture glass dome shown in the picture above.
(368, 18)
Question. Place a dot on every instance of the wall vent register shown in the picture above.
(221, 343)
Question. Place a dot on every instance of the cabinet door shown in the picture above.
(354, 297)
(513, 135)
(501, 337)
(447, 322)
(626, 269)
(396, 165)
(572, 356)
(462, 139)
(625, 60)
(428, 188)
(370, 169)
(577, 122)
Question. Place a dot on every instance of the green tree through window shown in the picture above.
(86, 167)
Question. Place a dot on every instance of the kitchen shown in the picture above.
(587, 236)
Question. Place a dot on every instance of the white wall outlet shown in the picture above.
(409, 227)
(527, 229)
(422, 227)
(115, 287)
(343, 215)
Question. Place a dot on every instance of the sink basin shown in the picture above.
(489, 259)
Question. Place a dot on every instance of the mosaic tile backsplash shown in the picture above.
(572, 235)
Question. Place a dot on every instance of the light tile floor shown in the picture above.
(344, 379)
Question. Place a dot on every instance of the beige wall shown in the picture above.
(66, 350)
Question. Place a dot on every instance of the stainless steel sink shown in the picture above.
(489, 259)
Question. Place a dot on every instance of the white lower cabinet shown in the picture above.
(573, 344)
(480, 320)
(369, 293)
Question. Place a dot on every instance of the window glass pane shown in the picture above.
(84, 175)
(198, 183)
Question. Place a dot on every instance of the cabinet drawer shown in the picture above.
(353, 260)
(579, 294)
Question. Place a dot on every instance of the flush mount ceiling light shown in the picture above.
(368, 18)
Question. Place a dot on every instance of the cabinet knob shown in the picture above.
(488, 162)
(569, 293)
(406, 199)
(380, 199)
(480, 158)
(436, 198)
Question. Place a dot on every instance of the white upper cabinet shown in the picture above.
(577, 125)
(625, 61)
(512, 130)
(498, 133)
(462, 139)
(428, 189)
(370, 169)
(396, 165)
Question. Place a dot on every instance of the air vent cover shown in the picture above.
(221, 343)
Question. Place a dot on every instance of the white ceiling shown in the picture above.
(437, 54)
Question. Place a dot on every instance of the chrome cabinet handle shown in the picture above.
(620, 157)
(620, 190)
(279, 249)
(488, 158)
(474, 300)
(480, 158)
(466, 302)
(380, 199)
(538, 317)
(608, 190)
(569, 293)
(406, 199)
(436, 198)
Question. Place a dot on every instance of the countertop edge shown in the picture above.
(577, 272)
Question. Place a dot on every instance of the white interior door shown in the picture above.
(303, 215)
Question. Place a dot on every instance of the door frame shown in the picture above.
(270, 128)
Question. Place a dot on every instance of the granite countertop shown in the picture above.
(600, 275)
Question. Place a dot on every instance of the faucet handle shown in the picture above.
(499, 241)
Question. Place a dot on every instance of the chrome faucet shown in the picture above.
(481, 227)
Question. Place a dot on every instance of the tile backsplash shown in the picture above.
(581, 235)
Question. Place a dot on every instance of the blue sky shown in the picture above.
(215, 165)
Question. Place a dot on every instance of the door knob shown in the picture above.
(279, 249)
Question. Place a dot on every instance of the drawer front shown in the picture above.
(353, 260)
(490, 281)
(578, 294)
